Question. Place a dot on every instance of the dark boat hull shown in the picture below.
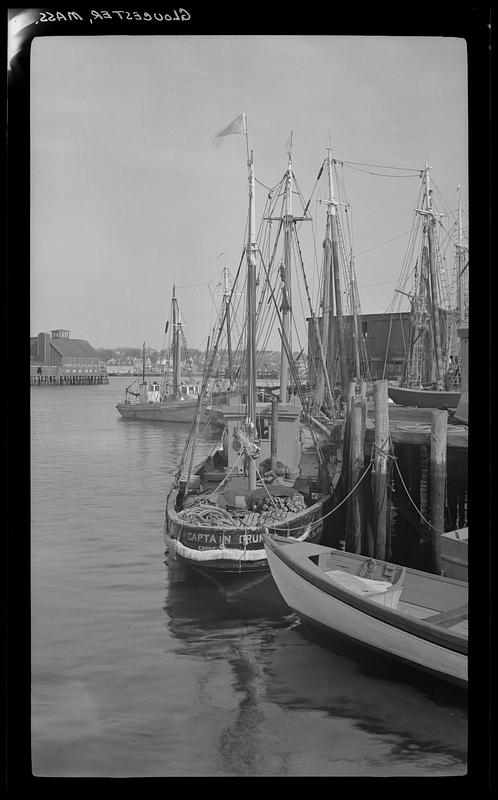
(177, 411)
(235, 550)
(423, 398)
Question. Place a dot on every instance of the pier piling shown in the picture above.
(438, 480)
(274, 429)
(381, 421)
(354, 519)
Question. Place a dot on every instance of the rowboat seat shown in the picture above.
(451, 617)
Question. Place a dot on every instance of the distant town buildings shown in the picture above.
(56, 358)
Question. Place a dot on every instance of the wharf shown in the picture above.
(67, 380)
(413, 426)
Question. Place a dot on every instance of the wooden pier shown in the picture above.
(390, 441)
(68, 380)
(413, 426)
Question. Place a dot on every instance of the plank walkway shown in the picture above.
(413, 426)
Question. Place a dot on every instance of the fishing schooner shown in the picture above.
(431, 374)
(269, 472)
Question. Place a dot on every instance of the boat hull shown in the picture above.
(462, 411)
(423, 398)
(181, 411)
(238, 549)
(381, 629)
(455, 554)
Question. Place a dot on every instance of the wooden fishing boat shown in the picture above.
(219, 526)
(174, 401)
(153, 407)
(431, 375)
(423, 398)
(414, 616)
(269, 471)
(455, 553)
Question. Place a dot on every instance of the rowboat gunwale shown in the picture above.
(296, 556)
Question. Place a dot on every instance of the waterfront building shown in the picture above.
(385, 337)
(56, 358)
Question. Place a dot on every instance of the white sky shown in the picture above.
(130, 193)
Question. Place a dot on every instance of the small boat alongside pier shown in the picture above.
(455, 554)
(416, 617)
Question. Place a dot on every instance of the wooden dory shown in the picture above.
(455, 553)
(423, 398)
(413, 616)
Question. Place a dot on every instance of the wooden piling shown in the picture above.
(346, 444)
(381, 420)
(354, 519)
(367, 547)
(438, 480)
(273, 434)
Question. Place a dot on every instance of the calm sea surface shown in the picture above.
(139, 670)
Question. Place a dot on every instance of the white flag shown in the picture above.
(238, 125)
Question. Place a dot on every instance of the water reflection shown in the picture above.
(235, 625)
(281, 670)
(382, 695)
(142, 436)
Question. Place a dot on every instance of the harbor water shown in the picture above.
(139, 670)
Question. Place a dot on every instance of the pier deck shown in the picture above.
(413, 426)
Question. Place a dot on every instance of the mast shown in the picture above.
(355, 320)
(431, 224)
(226, 297)
(460, 281)
(285, 273)
(328, 328)
(251, 315)
(176, 345)
(143, 363)
(337, 280)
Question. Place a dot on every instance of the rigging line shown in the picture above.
(378, 166)
(318, 522)
(412, 501)
(208, 370)
(314, 187)
(265, 186)
(195, 285)
(289, 354)
(388, 241)
(382, 174)
(381, 283)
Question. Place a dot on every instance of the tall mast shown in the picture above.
(431, 224)
(460, 281)
(251, 314)
(328, 329)
(143, 363)
(337, 280)
(176, 345)
(354, 309)
(286, 307)
(226, 297)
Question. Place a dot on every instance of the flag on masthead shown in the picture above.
(238, 125)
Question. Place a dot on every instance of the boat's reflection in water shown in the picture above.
(292, 677)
